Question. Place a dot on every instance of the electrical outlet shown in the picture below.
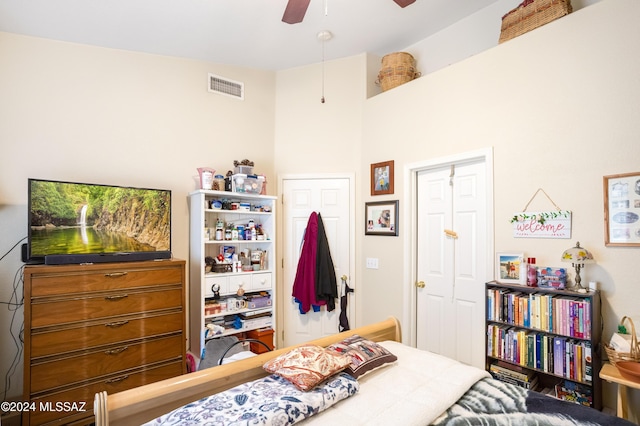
(372, 263)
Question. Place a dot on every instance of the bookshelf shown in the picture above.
(545, 339)
(238, 301)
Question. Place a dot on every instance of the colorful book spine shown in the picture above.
(588, 367)
(558, 355)
(538, 351)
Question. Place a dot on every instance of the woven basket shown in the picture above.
(633, 355)
(531, 14)
(223, 267)
(397, 68)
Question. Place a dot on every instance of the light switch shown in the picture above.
(372, 263)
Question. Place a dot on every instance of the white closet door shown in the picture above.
(452, 261)
(331, 198)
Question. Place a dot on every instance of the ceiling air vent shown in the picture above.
(224, 86)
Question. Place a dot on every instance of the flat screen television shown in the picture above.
(90, 223)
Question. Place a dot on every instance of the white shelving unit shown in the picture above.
(261, 210)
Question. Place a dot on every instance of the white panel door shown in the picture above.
(452, 261)
(331, 198)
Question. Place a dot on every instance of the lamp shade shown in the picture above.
(578, 254)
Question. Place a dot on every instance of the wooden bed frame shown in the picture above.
(145, 403)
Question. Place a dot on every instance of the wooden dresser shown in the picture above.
(99, 327)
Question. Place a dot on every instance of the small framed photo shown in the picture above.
(382, 178)
(622, 210)
(381, 218)
(508, 268)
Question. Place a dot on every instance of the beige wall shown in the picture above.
(79, 113)
(559, 108)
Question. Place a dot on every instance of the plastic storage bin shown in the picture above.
(265, 336)
(250, 184)
(246, 170)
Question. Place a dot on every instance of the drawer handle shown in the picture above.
(116, 297)
(117, 379)
(116, 324)
(116, 274)
(116, 351)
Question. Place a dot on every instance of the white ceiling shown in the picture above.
(246, 33)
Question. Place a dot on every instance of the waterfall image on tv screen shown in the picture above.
(77, 218)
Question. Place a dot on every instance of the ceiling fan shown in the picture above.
(295, 10)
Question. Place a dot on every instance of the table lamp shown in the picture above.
(578, 256)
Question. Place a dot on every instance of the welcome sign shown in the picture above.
(551, 224)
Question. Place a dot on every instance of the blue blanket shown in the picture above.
(267, 401)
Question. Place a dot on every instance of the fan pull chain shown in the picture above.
(323, 36)
(322, 98)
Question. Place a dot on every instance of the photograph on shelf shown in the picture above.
(381, 218)
(382, 178)
(508, 268)
(622, 209)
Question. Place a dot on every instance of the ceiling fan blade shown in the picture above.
(404, 3)
(295, 10)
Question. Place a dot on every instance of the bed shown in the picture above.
(417, 387)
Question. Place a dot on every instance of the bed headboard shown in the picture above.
(145, 403)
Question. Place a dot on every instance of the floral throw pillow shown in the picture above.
(365, 355)
(307, 366)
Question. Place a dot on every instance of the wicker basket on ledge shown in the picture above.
(634, 354)
(397, 68)
(531, 14)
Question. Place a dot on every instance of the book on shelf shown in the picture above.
(513, 374)
(558, 355)
(512, 371)
(509, 379)
(588, 367)
(574, 392)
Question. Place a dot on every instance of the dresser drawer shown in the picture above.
(101, 333)
(102, 279)
(86, 392)
(89, 365)
(88, 307)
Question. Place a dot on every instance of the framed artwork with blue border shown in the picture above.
(508, 268)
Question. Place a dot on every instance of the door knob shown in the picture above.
(420, 284)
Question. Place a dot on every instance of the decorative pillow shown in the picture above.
(365, 355)
(306, 366)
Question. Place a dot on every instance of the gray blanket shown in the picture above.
(491, 402)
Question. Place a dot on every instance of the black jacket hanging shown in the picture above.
(326, 285)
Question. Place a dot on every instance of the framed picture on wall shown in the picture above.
(382, 178)
(381, 218)
(508, 268)
(622, 210)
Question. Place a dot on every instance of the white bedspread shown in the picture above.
(414, 391)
